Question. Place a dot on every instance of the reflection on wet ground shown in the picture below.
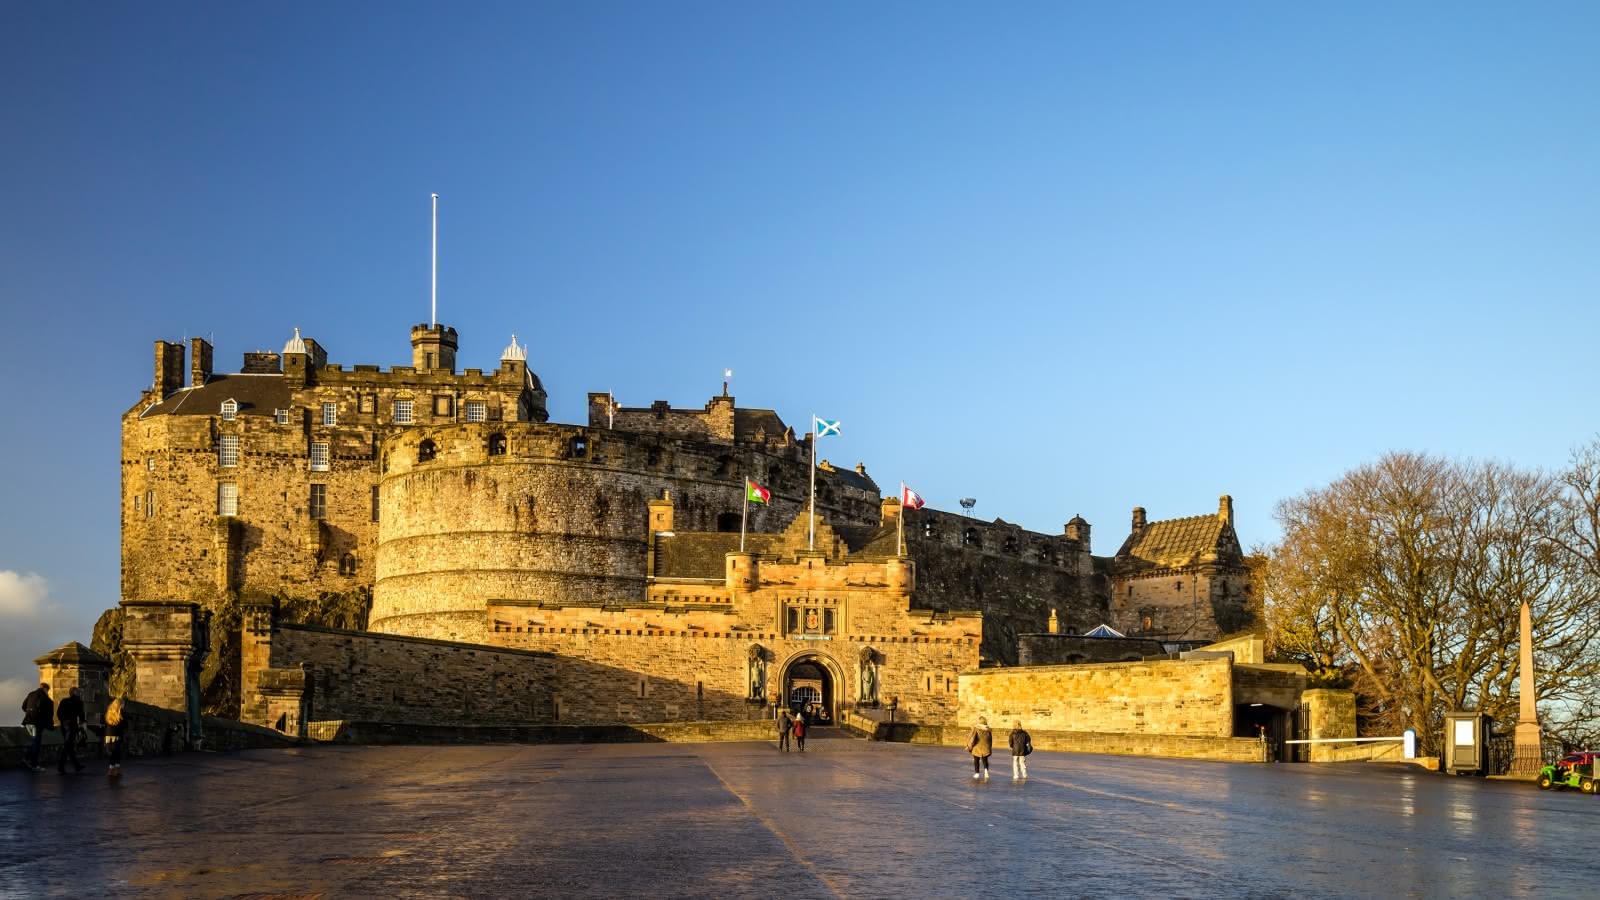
(666, 820)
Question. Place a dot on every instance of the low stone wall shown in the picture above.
(150, 731)
(658, 732)
(14, 743)
(1177, 746)
(1161, 697)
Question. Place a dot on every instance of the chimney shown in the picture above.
(199, 361)
(169, 368)
(1225, 510)
(1138, 518)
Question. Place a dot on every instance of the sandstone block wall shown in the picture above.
(1064, 649)
(372, 677)
(1228, 749)
(1178, 697)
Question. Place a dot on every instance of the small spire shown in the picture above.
(296, 344)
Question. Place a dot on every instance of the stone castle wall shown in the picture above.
(1188, 697)
(560, 516)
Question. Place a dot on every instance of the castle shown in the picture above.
(588, 573)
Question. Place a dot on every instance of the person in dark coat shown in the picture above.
(70, 715)
(39, 713)
(980, 744)
(1021, 746)
(800, 732)
(785, 725)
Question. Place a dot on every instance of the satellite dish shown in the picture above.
(967, 503)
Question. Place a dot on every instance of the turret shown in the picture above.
(1077, 531)
(433, 347)
(296, 361)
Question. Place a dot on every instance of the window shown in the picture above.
(347, 564)
(227, 499)
(497, 445)
(367, 403)
(794, 620)
(477, 411)
(228, 450)
(150, 464)
(442, 406)
(149, 504)
(136, 505)
(827, 621)
(319, 456)
(230, 408)
(402, 412)
(319, 501)
(374, 503)
(281, 416)
(970, 538)
(426, 451)
(330, 413)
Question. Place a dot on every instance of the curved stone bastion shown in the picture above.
(556, 514)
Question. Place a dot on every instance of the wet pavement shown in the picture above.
(741, 819)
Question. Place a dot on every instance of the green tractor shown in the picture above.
(1573, 771)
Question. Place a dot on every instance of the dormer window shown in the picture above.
(230, 408)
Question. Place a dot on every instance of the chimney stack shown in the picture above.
(1138, 518)
(199, 361)
(169, 368)
(1225, 510)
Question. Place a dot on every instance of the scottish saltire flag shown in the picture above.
(911, 499)
(755, 493)
(825, 428)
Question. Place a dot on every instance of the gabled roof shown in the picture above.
(257, 395)
(72, 653)
(746, 422)
(1174, 543)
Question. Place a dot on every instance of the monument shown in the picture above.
(1530, 748)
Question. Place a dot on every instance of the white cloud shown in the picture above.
(22, 595)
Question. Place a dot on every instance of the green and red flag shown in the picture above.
(755, 493)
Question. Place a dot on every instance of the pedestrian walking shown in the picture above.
(980, 744)
(70, 715)
(1021, 746)
(785, 724)
(38, 716)
(116, 729)
(800, 733)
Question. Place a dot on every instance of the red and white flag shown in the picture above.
(911, 499)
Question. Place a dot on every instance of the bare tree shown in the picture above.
(1409, 573)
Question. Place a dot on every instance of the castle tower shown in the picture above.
(296, 361)
(1077, 531)
(433, 347)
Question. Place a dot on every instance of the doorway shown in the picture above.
(810, 689)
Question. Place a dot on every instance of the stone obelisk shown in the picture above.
(1530, 753)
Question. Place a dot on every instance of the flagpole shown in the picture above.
(611, 410)
(900, 542)
(433, 309)
(744, 516)
(812, 518)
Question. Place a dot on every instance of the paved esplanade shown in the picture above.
(848, 818)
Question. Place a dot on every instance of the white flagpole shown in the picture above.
(900, 542)
(611, 410)
(744, 516)
(812, 518)
(433, 310)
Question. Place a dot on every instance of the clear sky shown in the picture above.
(1064, 258)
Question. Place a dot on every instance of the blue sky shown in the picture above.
(1065, 258)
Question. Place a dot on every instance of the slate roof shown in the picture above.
(72, 653)
(747, 421)
(868, 540)
(703, 554)
(257, 395)
(1174, 543)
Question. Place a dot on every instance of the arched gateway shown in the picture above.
(813, 684)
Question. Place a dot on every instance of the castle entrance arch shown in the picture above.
(811, 686)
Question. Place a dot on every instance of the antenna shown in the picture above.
(433, 310)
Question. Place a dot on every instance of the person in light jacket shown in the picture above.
(1021, 746)
(980, 744)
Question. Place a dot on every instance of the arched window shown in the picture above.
(427, 450)
(497, 444)
(970, 538)
(347, 564)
